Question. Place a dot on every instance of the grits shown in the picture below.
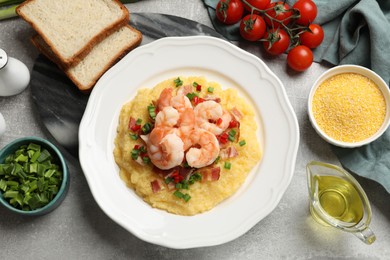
(204, 194)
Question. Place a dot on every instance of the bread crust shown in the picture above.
(45, 50)
(77, 57)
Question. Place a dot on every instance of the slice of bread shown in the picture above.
(102, 56)
(71, 27)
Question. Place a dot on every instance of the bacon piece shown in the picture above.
(236, 113)
(186, 172)
(186, 89)
(210, 173)
(213, 98)
(229, 152)
(132, 123)
(157, 185)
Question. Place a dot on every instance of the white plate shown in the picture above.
(217, 60)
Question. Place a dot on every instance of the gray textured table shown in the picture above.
(78, 229)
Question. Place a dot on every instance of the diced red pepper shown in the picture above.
(219, 121)
(198, 87)
(198, 100)
(233, 123)
(223, 138)
(135, 128)
(137, 146)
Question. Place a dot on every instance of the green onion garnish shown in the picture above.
(179, 194)
(231, 136)
(192, 95)
(134, 154)
(178, 82)
(133, 136)
(227, 165)
(29, 179)
(210, 89)
(152, 111)
(242, 143)
(147, 128)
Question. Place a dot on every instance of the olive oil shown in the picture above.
(340, 199)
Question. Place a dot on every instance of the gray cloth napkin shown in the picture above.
(356, 32)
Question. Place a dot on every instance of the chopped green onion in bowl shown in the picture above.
(33, 176)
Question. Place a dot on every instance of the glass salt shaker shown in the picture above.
(14, 75)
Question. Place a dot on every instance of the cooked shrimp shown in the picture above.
(165, 148)
(165, 99)
(185, 125)
(208, 148)
(210, 116)
(180, 102)
(167, 117)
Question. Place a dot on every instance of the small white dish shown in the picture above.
(350, 69)
(216, 60)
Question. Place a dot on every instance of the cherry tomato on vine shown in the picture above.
(259, 4)
(229, 11)
(314, 38)
(307, 10)
(252, 27)
(279, 11)
(300, 58)
(277, 41)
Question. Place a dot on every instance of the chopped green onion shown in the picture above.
(242, 143)
(34, 147)
(134, 154)
(35, 156)
(139, 121)
(186, 197)
(133, 136)
(231, 135)
(3, 185)
(185, 165)
(147, 128)
(179, 194)
(44, 156)
(210, 89)
(192, 95)
(217, 159)
(227, 165)
(21, 158)
(178, 82)
(152, 111)
(142, 149)
(146, 159)
(185, 185)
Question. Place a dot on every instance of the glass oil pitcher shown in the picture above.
(338, 200)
